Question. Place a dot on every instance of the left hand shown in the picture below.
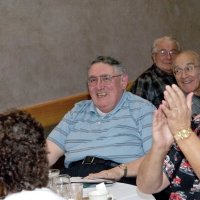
(177, 108)
(162, 136)
(115, 173)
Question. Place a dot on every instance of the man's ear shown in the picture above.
(124, 81)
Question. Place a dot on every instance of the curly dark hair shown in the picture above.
(23, 154)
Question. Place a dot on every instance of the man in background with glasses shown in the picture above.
(110, 130)
(151, 84)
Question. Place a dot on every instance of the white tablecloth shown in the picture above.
(122, 191)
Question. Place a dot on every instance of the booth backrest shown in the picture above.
(50, 113)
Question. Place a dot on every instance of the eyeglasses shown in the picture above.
(164, 52)
(187, 69)
(105, 79)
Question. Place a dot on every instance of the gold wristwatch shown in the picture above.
(183, 134)
(125, 168)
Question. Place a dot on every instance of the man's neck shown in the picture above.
(170, 72)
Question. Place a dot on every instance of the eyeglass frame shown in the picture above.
(164, 52)
(102, 77)
(188, 69)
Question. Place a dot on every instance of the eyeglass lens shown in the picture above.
(106, 79)
(187, 69)
(164, 52)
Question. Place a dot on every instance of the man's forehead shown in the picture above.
(99, 67)
(184, 59)
(167, 44)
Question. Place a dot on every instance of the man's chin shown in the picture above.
(102, 108)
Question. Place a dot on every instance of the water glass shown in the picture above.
(52, 174)
(61, 185)
(76, 191)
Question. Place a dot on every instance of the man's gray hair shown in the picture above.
(154, 48)
(110, 61)
(193, 53)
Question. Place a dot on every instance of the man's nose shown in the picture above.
(169, 55)
(184, 73)
(99, 83)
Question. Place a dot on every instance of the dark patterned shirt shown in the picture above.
(195, 105)
(184, 184)
(151, 84)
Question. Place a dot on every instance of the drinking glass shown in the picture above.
(75, 191)
(61, 185)
(52, 174)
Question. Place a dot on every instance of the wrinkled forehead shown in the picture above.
(166, 44)
(98, 69)
(184, 59)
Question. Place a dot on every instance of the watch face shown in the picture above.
(185, 134)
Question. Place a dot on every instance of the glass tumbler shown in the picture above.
(76, 191)
(61, 185)
(52, 174)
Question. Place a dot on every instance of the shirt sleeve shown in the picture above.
(59, 134)
(145, 125)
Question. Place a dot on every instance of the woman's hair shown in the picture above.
(23, 155)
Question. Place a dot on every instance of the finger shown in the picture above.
(165, 103)
(95, 175)
(170, 97)
(189, 100)
(178, 91)
(155, 117)
(165, 110)
(179, 94)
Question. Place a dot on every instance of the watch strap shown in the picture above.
(183, 134)
(125, 168)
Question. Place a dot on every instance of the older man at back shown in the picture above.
(151, 84)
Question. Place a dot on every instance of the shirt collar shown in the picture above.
(92, 107)
(160, 71)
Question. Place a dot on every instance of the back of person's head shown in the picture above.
(23, 157)
(110, 61)
(156, 42)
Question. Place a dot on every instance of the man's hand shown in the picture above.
(115, 173)
(162, 136)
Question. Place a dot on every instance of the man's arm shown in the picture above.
(54, 152)
(117, 173)
(150, 178)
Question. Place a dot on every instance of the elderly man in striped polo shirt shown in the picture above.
(111, 130)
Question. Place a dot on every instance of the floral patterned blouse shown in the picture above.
(185, 185)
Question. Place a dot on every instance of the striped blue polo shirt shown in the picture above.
(122, 135)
